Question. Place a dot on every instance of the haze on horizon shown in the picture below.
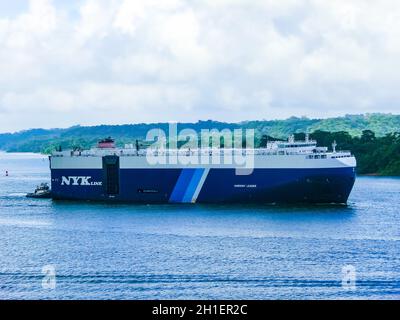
(92, 62)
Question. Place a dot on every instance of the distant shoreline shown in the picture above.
(374, 139)
(22, 154)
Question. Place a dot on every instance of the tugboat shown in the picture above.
(42, 191)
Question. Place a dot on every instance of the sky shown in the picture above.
(91, 62)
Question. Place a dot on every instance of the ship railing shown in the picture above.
(341, 154)
(197, 152)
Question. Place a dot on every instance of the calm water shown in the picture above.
(195, 252)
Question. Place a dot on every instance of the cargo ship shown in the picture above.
(283, 172)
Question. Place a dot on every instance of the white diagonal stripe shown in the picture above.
(200, 185)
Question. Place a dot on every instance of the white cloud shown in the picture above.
(121, 61)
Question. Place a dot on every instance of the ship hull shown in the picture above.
(200, 185)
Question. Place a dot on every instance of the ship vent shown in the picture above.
(111, 174)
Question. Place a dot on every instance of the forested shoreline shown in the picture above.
(373, 138)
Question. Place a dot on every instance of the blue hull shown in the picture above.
(331, 185)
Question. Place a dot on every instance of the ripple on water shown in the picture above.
(104, 251)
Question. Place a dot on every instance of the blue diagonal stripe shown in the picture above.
(182, 185)
(193, 185)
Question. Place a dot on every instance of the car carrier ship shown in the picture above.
(284, 172)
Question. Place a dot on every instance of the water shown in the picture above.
(104, 251)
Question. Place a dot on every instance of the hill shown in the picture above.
(46, 140)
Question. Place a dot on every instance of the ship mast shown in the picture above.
(334, 145)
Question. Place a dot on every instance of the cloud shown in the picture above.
(122, 61)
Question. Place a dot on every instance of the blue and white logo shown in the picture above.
(79, 181)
